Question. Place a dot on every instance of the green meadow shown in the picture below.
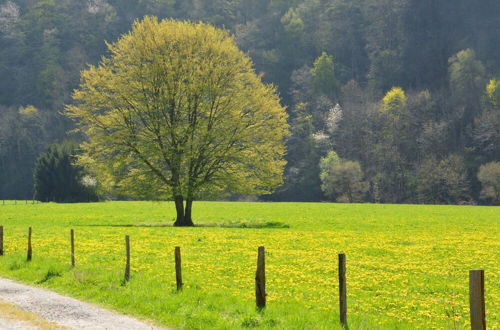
(407, 265)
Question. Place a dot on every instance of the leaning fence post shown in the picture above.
(127, 266)
(476, 299)
(1, 240)
(342, 290)
(72, 237)
(260, 279)
(178, 269)
(28, 258)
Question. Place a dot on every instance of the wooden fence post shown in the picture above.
(476, 299)
(1, 240)
(28, 258)
(127, 266)
(260, 279)
(342, 290)
(178, 268)
(72, 238)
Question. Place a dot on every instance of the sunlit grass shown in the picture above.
(407, 266)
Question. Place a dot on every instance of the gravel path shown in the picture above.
(59, 310)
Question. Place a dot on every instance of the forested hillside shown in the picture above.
(391, 101)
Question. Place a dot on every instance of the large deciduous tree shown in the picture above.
(177, 111)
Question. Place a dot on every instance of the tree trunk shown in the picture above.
(183, 216)
(179, 208)
(187, 214)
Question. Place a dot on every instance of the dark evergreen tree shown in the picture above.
(58, 180)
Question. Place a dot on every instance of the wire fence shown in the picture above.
(476, 280)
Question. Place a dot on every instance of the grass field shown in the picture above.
(407, 266)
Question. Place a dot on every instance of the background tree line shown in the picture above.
(389, 100)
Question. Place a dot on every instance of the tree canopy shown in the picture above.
(342, 180)
(177, 111)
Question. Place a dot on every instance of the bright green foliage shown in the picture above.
(465, 72)
(394, 155)
(29, 111)
(324, 79)
(394, 102)
(342, 180)
(177, 111)
(330, 159)
(493, 93)
(489, 175)
(467, 82)
(292, 22)
(57, 179)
